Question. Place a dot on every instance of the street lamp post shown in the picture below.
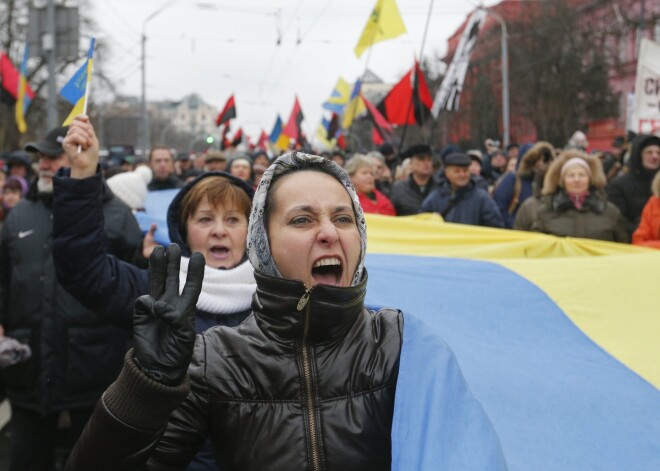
(145, 138)
(505, 77)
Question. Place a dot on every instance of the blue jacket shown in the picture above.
(469, 205)
(503, 194)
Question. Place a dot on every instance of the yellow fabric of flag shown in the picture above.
(354, 108)
(606, 289)
(340, 96)
(322, 137)
(384, 23)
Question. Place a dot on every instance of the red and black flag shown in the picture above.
(292, 128)
(409, 101)
(224, 141)
(381, 131)
(238, 138)
(9, 77)
(333, 126)
(227, 113)
(263, 141)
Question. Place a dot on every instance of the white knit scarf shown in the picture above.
(223, 291)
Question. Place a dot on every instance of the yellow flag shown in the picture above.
(384, 23)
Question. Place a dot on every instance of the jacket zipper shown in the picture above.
(303, 303)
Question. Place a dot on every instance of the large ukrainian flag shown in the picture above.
(558, 338)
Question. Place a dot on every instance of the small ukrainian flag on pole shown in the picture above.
(76, 90)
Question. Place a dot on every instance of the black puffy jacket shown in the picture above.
(75, 356)
(306, 382)
(631, 191)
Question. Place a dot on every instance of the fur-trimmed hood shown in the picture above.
(538, 151)
(552, 181)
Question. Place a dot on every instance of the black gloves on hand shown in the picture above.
(163, 321)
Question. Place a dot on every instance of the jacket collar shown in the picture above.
(328, 314)
(594, 202)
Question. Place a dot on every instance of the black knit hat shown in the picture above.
(417, 149)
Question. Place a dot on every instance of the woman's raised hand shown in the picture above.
(163, 321)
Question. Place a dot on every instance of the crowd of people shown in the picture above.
(275, 298)
(538, 187)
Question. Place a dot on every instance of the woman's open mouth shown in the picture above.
(327, 271)
(219, 252)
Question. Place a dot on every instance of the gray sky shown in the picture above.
(219, 47)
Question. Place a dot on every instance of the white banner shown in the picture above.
(646, 110)
(450, 90)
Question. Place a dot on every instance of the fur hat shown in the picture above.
(552, 180)
(131, 187)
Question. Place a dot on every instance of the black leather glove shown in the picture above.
(163, 321)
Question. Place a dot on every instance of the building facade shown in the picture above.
(614, 26)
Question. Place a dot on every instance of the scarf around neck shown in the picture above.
(223, 291)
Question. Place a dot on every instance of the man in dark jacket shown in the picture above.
(161, 162)
(631, 191)
(407, 195)
(74, 356)
(458, 199)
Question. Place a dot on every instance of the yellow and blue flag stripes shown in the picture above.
(22, 98)
(557, 337)
(355, 106)
(74, 91)
(339, 97)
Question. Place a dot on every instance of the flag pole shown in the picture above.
(421, 48)
(366, 67)
(88, 82)
(410, 103)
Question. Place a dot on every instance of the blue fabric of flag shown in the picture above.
(556, 399)
(277, 130)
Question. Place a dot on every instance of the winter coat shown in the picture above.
(290, 388)
(170, 183)
(75, 355)
(514, 188)
(382, 205)
(109, 286)
(648, 231)
(526, 214)
(631, 191)
(596, 219)
(467, 205)
(407, 196)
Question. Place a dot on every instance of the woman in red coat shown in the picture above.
(361, 171)
(648, 231)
